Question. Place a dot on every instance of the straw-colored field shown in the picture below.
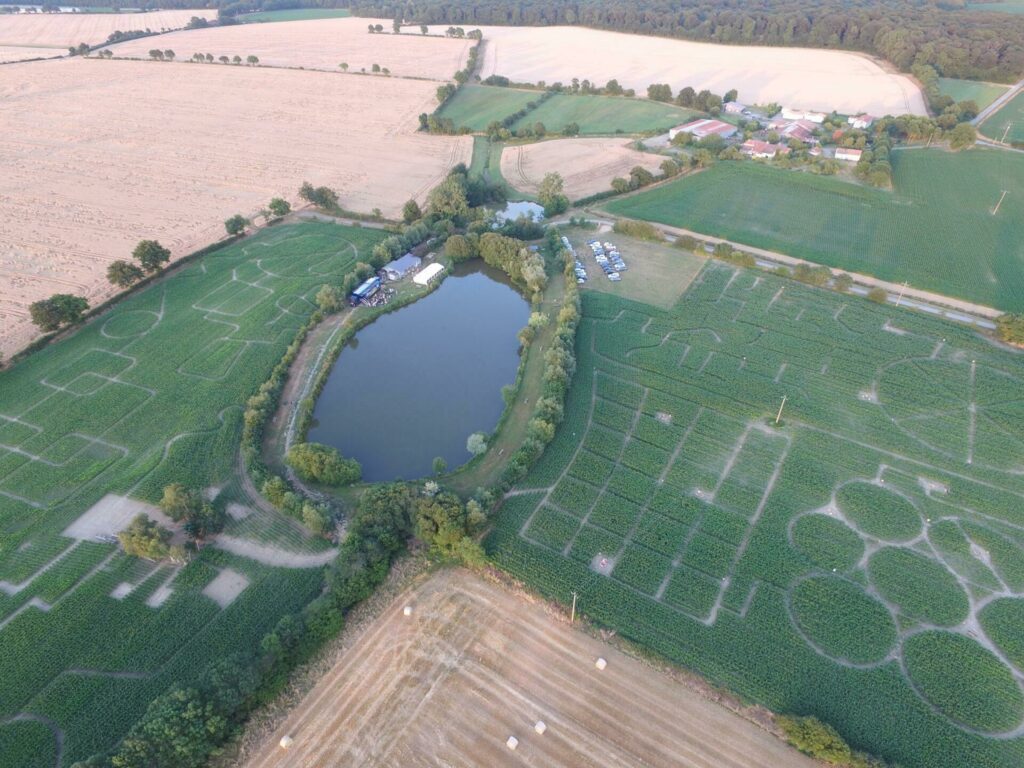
(85, 178)
(60, 30)
(317, 44)
(22, 53)
(587, 165)
(796, 77)
(475, 664)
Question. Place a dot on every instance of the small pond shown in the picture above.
(414, 384)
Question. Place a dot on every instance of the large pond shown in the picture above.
(414, 384)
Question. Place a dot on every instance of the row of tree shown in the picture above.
(957, 39)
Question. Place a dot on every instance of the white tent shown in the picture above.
(428, 273)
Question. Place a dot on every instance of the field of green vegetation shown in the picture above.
(606, 114)
(149, 393)
(859, 561)
(981, 94)
(1008, 123)
(1011, 6)
(936, 229)
(294, 14)
(477, 106)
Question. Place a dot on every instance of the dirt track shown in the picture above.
(475, 664)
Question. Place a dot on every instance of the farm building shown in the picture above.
(734, 107)
(861, 121)
(365, 290)
(762, 149)
(850, 155)
(428, 274)
(803, 114)
(399, 268)
(801, 130)
(700, 129)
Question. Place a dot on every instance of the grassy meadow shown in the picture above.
(606, 114)
(1007, 124)
(150, 392)
(819, 565)
(981, 94)
(936, 228)
(294, 14)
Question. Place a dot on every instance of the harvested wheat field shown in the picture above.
(10, 53)
(587, 165)
(86, 178)
(60, 30)
(475, 664)
(317, 44)
(794, 77)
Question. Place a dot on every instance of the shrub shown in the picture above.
(323, 464)
(641, 230)
(815, 738)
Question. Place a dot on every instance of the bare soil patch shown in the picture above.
(226, 587)
(111, 515)
(474, 664)
(317, 44)
(268, 554)
(61, 30)
(796, 77)
(586, 165)
(213, 140)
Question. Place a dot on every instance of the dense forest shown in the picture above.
(956, 41)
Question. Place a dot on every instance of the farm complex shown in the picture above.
(600, 384)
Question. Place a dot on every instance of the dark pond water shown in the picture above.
(416, 383)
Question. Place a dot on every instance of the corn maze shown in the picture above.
(859, 559)
(91, 429)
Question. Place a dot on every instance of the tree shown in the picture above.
(169, 55)
(702, 158)
(236, 224)
(620, 185)
(145, 538)
(151, 255)
(963, 136)
(370, 28)
(209, 58)
(375, 68)
(439, 465)
(279, 207)
(396, 26)
(123, 273)
(444, 92)
(156, 54)
(236, 59)
(330, 298)
(223, 59)
(316, 518)
(659, 92)
(460, 248)
(251, 60)
(378, 27)
(323, 464)
(571, 129)
(731, 95)
(179, 501)
(448, 199)
(344, 66)
(551, 194)
(878, 295)
(411, 212)
(204, 521)
(322, 197)
(60, 309)
(424, 29)
(1010, 328)
(669, 168)
(815, 738)
(842, 282)
(477, 443)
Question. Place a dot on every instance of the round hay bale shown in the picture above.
(286, 742)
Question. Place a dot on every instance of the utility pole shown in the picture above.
(902, 291)
(572, 618)
(779, 414)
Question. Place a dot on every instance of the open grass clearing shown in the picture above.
(688, 521)
(294, 14)
(62, 116)
(606, 114)
(658, 273)
(316, 44)
(477, 106)
(980, 93)
(935, 230)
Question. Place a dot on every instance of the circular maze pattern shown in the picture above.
(963, 681)
(842, 621)
(125, 325)
(878, 512)
(918, 586)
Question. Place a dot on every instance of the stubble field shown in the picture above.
(587, 165)
(796, 77)
(85, 179)
(475, 664)
(317, 44)
(60, 30)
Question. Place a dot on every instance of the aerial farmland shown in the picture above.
(603, 385)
